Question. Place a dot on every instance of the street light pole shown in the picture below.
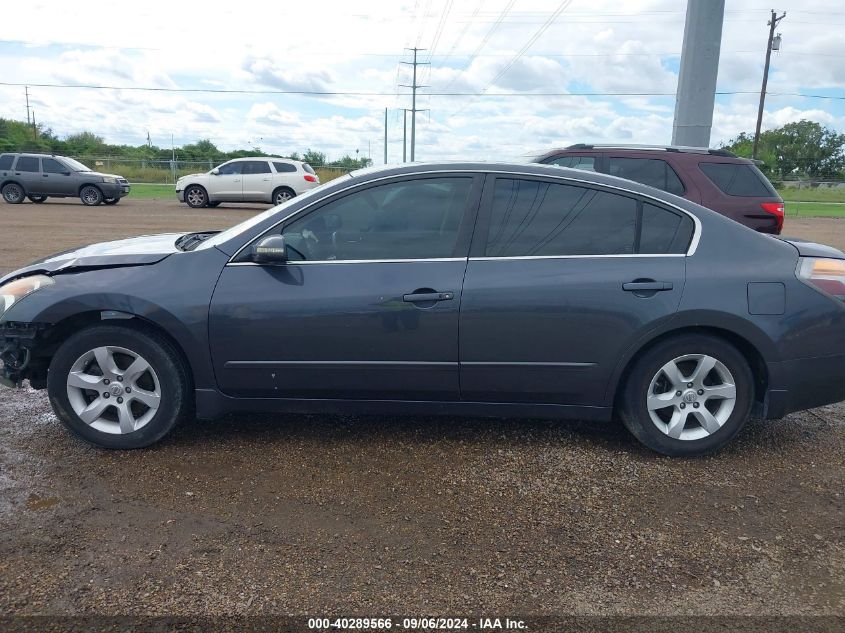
(773, 22)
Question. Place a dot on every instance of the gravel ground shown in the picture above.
(375, 516)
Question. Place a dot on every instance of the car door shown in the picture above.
(28, 172)
(56, 179)
(365, 307)
(257, 181)
(226, 185)
(562, 279)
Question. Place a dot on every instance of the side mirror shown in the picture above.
(215, 171)
(270, 250)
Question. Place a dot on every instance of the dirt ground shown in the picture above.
(374, 516)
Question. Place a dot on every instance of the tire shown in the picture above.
(13, 193)
(282, 194)
(704, 417)
(156, 397)
(111, 201)
(196, 197)
(37, 199)
(213, 204)
(90, 195)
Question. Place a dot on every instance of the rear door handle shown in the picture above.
(422, 297)
(647, 286)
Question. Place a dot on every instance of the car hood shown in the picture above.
(813, 249)
(99, 173)
(136, 251)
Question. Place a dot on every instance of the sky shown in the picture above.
(488, 49)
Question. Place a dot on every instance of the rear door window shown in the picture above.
(737, 179)
(6, 161)
(255, 167)
(27, 163)
(283, 168)
(535, 218)
(653, 172)
(587, 163)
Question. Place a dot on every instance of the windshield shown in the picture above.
(75, 165)
(225, 236)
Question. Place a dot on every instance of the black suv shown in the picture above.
(42, 176)
(714, 178)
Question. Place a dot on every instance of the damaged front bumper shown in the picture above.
(18, 342)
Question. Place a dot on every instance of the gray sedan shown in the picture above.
(458, 289)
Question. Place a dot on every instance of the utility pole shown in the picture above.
(26, 91)
(414, 85)
(773, 22)
(404, 135)
(385, 136)
(34, 127)
(696, 93)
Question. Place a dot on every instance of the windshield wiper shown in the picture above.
(190, 241)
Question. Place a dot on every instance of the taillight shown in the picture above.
(776, 209)
(825, 274)
(310, 178)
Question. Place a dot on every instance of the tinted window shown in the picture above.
(587, 163)
(52, 166)
(416, 219)
(664, 232)
(6, 161)
(27, 163)
(230, 169)
(653, 172)
(537, 218)
(308, 168)
(736, 179)
(284, 167)
(255, 167)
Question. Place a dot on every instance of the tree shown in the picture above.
(805, 148)
(314, 158)
(84, 143)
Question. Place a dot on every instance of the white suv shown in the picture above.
(266, 179)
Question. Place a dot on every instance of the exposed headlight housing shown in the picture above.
(16, 290)
(828, 275)
(109, 179)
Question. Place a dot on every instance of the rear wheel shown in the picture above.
(90, 195)
(283, 194)
(196, 197)
(37, 199)
(13, 193)
(688, 395)
(118, 387)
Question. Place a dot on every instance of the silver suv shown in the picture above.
(42, 176)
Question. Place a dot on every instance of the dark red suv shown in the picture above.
(714, 178)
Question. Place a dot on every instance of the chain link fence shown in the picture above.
(166, 172)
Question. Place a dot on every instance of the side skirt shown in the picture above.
(213, 404)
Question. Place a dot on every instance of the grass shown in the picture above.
(815, 194)
(815, 210)
(152, 192)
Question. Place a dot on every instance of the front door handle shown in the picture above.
(647, 285)
(423, 297)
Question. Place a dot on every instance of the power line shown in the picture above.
(342, 93)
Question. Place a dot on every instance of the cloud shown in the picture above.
(281, 76)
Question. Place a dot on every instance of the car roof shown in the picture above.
(271, 158)
(678, 151)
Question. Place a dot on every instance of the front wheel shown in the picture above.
(111, 201)
(90, 196)
(37, 199)
(13, 193)
(196, 197)
(688, 395)
(118, 387)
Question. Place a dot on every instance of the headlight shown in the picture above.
(16, 290)
(109, 179)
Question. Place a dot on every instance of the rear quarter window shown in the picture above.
(6, 161)
(308, 168)
(737, 179)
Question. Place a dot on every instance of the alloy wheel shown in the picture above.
(113, 390)
(196, 197)
(12, 193)
(691, 397)
(283, 196)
